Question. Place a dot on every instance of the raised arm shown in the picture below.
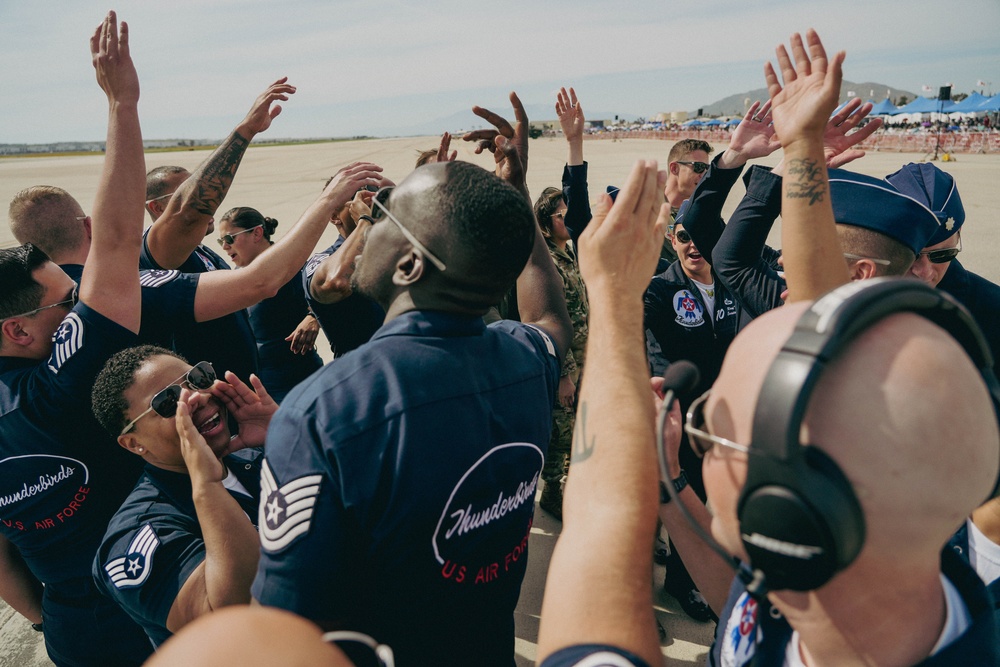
(110, 283)
(331, 282)
(508, 144)
(231, 542)
(574, 178)
(187, 214)
(598, 587)
(223, 292)
(813, 261)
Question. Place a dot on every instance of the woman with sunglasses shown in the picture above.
(283, 326)
(185, 541)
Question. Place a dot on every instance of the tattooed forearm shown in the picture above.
(804, 180)
(582, 449)
(211, 181)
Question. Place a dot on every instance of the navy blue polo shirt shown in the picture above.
(168, 320)
(348, 323)
(202, 259)
(398, 488)
(62, 476)
(228, 341)
(273, 320)
(154, 542)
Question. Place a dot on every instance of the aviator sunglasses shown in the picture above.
(164, 402)
(380, 211)
(682, 236)
(943, 255)
(73, 299)
(230, 238)
(696, 167)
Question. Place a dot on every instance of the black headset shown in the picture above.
(800, 520)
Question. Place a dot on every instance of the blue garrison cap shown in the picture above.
(681, 212)
(871, 203)
(936, 190)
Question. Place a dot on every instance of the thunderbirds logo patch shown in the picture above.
(156, 277)
(688, 309)
(285, 512)
(133, 568)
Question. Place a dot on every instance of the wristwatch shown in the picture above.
(680, 483)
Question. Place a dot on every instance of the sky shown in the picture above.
(378, 68)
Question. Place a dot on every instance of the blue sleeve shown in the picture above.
(310, 544)
(593, 655)
(577, 198)
(144, 568)
(539, 341)
(658, 313)
(167, 302)
(738, 257)
(703, 218)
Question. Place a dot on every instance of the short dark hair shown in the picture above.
(245, 217)
(156, 180)
(19, 292)
(107, 399)
(492, 225)
(545, 207)
(874, 245)
(686, 146)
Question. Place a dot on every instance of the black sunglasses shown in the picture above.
(382, 197)
(696, 167)
(941, 256)
(682, 236)
(230, 238)
(164, 402)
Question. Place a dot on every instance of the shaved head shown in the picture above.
(919, 454)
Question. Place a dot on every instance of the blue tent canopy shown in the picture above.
(733, 123)
(714, 122)
(969, 105)
(990, 104)
(925, 105)
(691, 123)
(885, 107)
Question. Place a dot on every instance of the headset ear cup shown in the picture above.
(804, 525)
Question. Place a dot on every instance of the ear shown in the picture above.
(409, 269)
(156, 208)
(12, 331)
(674, 168)
(87, 226)
(863, 269)
(129, 442)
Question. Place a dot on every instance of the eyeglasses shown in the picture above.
(229, 238)
(166, 196)
(379, 202)
(701, 440)
(943, 255)
(383, 653)
(696, 167)
(164, 402)
(73, 299)
(561, 215)
(851, 256)
(682, 236)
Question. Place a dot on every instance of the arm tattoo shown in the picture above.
(581, 448)
(212, 180)
(805, 181)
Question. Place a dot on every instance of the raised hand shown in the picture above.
(509, 144)
(838, 140)
(264, 109)
(202, 464)
(802, 106)
(620, 247)
(110, 55)
(252, 408)
(754, 136)
(346, 182)
(570, 114)
(443, 155)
